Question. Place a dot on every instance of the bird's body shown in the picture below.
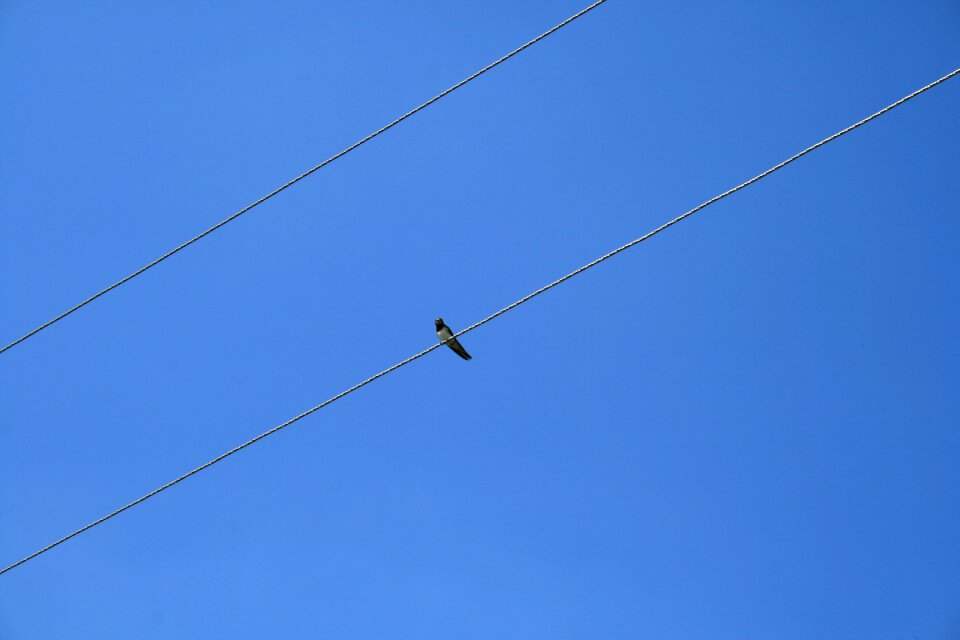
(446, 337)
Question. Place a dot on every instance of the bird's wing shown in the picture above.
(454, 344)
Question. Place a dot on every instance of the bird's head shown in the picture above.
(438, 322)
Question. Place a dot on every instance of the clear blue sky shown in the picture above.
(744, 428)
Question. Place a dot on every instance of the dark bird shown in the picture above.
(446, 337)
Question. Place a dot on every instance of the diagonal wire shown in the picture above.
(484, 321)
(303, 175)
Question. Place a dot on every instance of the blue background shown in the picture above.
(746, 427)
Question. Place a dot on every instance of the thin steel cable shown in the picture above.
(709, 202)
(301, 176)
(482, 322)
(220, 457)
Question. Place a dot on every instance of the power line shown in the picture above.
(300, 177)
(485, 320)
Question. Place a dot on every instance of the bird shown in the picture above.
(446, 337)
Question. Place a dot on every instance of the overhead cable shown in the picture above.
(484, 321)
(303, 175)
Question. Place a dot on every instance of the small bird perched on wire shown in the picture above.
(446, 337)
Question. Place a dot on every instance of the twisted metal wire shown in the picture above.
(484, 321)
(222, 456)
(709, 202)
(300, 177)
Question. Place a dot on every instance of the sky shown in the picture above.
(746, 427)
